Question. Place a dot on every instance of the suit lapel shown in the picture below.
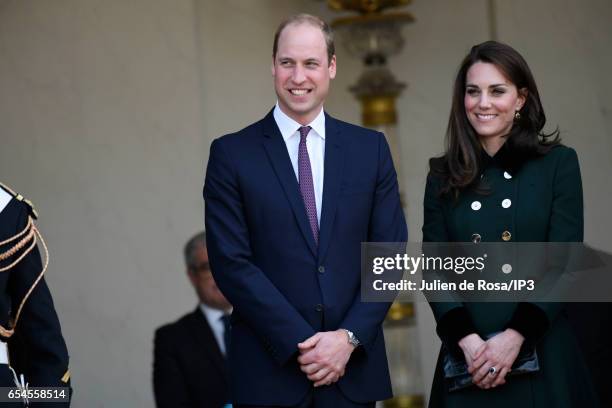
(335, 148)
(205, 337)
(279, 157)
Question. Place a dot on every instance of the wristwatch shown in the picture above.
(352, 339)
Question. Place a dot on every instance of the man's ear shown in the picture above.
(191, 276)
(273, 68)
(332, 67)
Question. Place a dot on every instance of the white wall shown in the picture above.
(100, 112)
(108, 109)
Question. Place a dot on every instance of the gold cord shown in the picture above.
(34, 235)
(14, 237)
(13, 250)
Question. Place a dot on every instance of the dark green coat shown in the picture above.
(545, 196)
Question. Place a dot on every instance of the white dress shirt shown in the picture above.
(315, 144)
(216, 324)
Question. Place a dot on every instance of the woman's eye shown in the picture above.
(472, 92)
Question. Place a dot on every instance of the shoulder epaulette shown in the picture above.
(21, 198)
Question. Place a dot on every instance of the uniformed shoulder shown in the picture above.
(7, 194)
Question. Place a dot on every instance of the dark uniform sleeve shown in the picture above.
(37, 349)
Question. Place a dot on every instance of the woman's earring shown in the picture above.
(517, 116)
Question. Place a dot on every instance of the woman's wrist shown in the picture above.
(515, 334)
(468, 340)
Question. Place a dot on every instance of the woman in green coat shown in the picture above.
(503, 180)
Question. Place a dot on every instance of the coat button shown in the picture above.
(476, 238)
(476, 205)
(506, 203)
(507, 175)
(319, 307)
(506, 236)
(321, 269)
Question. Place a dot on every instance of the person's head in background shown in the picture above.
(200, 275)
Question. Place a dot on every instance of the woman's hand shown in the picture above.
(471, 345)
(500, 351)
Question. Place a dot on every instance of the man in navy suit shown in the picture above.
(289, 199)
(189, 367)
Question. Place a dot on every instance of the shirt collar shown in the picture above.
(212, 315)
(288, 127)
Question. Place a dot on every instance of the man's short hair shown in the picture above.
(312, 20)
(191, 246)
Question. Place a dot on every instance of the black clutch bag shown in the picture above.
(456, 369)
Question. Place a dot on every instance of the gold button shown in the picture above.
(506, 236)
(476, 238)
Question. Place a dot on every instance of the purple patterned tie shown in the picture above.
(306, 183)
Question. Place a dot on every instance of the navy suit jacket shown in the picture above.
(283, 287)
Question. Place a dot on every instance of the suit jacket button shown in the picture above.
(476, 238)
(319, 307)
(321, 269)
(506, 236)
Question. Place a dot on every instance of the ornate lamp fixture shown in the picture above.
(373, 36)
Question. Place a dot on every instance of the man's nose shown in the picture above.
(298, 75)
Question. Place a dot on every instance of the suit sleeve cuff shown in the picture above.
(530, 321)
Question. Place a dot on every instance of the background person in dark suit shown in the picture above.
(289, 200)
(190, 368)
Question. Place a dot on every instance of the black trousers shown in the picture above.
(327, 396)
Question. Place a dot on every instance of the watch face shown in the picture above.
(351, 338)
